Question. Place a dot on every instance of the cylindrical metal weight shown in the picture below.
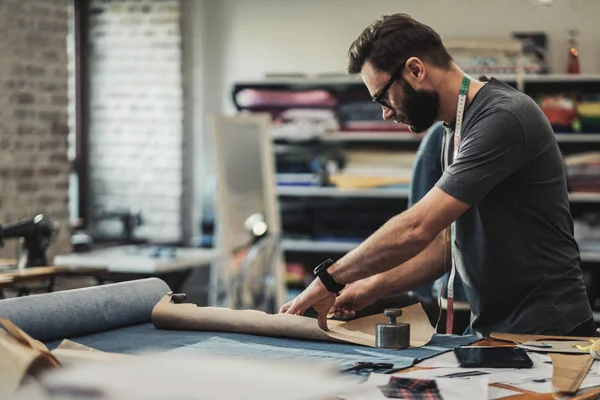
(393, 336)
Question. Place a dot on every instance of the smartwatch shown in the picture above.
(327, 280)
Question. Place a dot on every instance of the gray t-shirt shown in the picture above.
(514, 248)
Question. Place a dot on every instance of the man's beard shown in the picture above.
(420, 107)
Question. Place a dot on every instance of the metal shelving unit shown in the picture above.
(310, 250)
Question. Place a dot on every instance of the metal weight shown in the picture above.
(393, 335)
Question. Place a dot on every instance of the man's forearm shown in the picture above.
(396, 242)
(426, 267)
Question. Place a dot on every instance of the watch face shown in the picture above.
(323, 266)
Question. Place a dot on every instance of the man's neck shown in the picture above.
(448, 87)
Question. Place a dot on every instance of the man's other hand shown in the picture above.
(353, 298)
(315, 296)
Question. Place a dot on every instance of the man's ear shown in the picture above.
(415, 68)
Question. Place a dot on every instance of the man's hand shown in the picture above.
(315, 296)
(353, 298)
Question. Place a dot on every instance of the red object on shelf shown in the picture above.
(573, 66)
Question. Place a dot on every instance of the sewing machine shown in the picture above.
(129, 218)
(35, 234)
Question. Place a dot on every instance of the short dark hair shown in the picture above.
(393, 39)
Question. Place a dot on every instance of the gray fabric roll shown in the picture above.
(69, 313)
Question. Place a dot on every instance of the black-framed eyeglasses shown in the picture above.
(379, 99)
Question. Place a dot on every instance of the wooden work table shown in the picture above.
(16, 279)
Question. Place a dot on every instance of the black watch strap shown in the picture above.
(330, 284)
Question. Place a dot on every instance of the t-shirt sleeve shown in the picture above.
(491, 152)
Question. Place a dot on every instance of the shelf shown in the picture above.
(590, 256)
(583, 197)
(318, 246)
(315, 191)
(578, 138)
(562, 78)
(351, 79)
(295, 179)
(589, 250)
(309, 81)
(406, 137)
(545, 78)
(388, 137)
(314, 246)
(356, 137)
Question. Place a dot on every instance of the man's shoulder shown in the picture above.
(500, 103)
(504, 99)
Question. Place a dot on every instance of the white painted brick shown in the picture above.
(136, 129)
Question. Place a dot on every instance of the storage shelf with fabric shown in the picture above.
(342, 171)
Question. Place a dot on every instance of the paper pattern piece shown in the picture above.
(187, 316)
(545, 385)
(20, 355)
(558, 346)
(521, 338)
(569, 371)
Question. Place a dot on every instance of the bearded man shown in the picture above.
(501, 205)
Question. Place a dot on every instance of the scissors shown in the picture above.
(364, 365)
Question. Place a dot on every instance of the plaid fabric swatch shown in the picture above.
(411, 389)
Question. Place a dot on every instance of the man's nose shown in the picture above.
(387, 113)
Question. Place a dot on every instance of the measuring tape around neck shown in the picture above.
(460, 111)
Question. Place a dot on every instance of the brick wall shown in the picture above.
(34, 169)
(136, 133)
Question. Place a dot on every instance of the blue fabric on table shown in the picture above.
(340, 354)
(56, 315)
(144, 337)
(134, 339)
